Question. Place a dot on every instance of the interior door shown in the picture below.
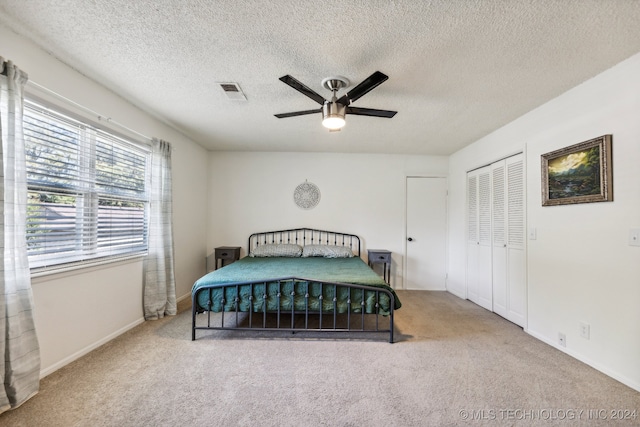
(499, 232)
(472, 236)
(485, 280)
(496, 261)
(479, 281)
(516, 273)
(426, 233)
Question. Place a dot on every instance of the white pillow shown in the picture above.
(277, 250)
(327, 251)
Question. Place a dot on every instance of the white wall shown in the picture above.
(360, 194)
(78, 311)
(580, 268)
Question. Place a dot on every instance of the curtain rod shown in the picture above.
(99, 116)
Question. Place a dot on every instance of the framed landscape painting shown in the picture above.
(580, 173)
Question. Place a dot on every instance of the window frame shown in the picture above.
(83, 258)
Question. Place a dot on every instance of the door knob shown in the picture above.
(410, 239)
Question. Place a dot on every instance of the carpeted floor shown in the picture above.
(453, 363)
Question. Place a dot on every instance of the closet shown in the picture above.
(496, 262)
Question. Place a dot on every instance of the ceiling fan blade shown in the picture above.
(298, 113)
(366, 86)
(297, 85)
(370, 112)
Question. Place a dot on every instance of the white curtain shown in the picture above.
(18, 340)
(159, 281)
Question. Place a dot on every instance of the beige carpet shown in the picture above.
(453, 364)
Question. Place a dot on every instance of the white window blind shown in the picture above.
(87, 198)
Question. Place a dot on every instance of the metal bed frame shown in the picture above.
(308, 320)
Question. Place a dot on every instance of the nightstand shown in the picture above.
(226, 254)
(381, 256)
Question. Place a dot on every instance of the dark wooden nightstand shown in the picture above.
(222, 253)
(381, 256)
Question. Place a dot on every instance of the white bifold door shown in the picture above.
(479, 286)
(496, 269)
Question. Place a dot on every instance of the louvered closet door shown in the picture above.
(479, 282)
(496, 266)
(516, 259)
(485, 285)
(499, 241)
(472, 236)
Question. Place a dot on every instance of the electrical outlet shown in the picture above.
(634, 237)
(585, 330)
(562, 339)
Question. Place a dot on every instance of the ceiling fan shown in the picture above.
(333, 111)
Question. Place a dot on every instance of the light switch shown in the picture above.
(634, 237)
(532, 233)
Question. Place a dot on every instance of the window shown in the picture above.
(87, 191)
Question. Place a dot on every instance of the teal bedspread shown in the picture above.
(317, 269)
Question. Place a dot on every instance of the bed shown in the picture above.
(296, 280)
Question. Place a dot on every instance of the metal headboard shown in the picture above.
(305, 236)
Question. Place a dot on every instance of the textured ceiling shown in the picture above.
(458, 69)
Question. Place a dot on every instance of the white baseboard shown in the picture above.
(50, 369)
(183, 297)
(615, 375)
(456, 293)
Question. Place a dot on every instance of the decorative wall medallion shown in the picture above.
(306, 195)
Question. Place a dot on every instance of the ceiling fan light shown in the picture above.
(333, 115)
(333, 123)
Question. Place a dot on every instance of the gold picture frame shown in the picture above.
(581, 173)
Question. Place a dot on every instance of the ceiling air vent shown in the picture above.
(233, 91)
